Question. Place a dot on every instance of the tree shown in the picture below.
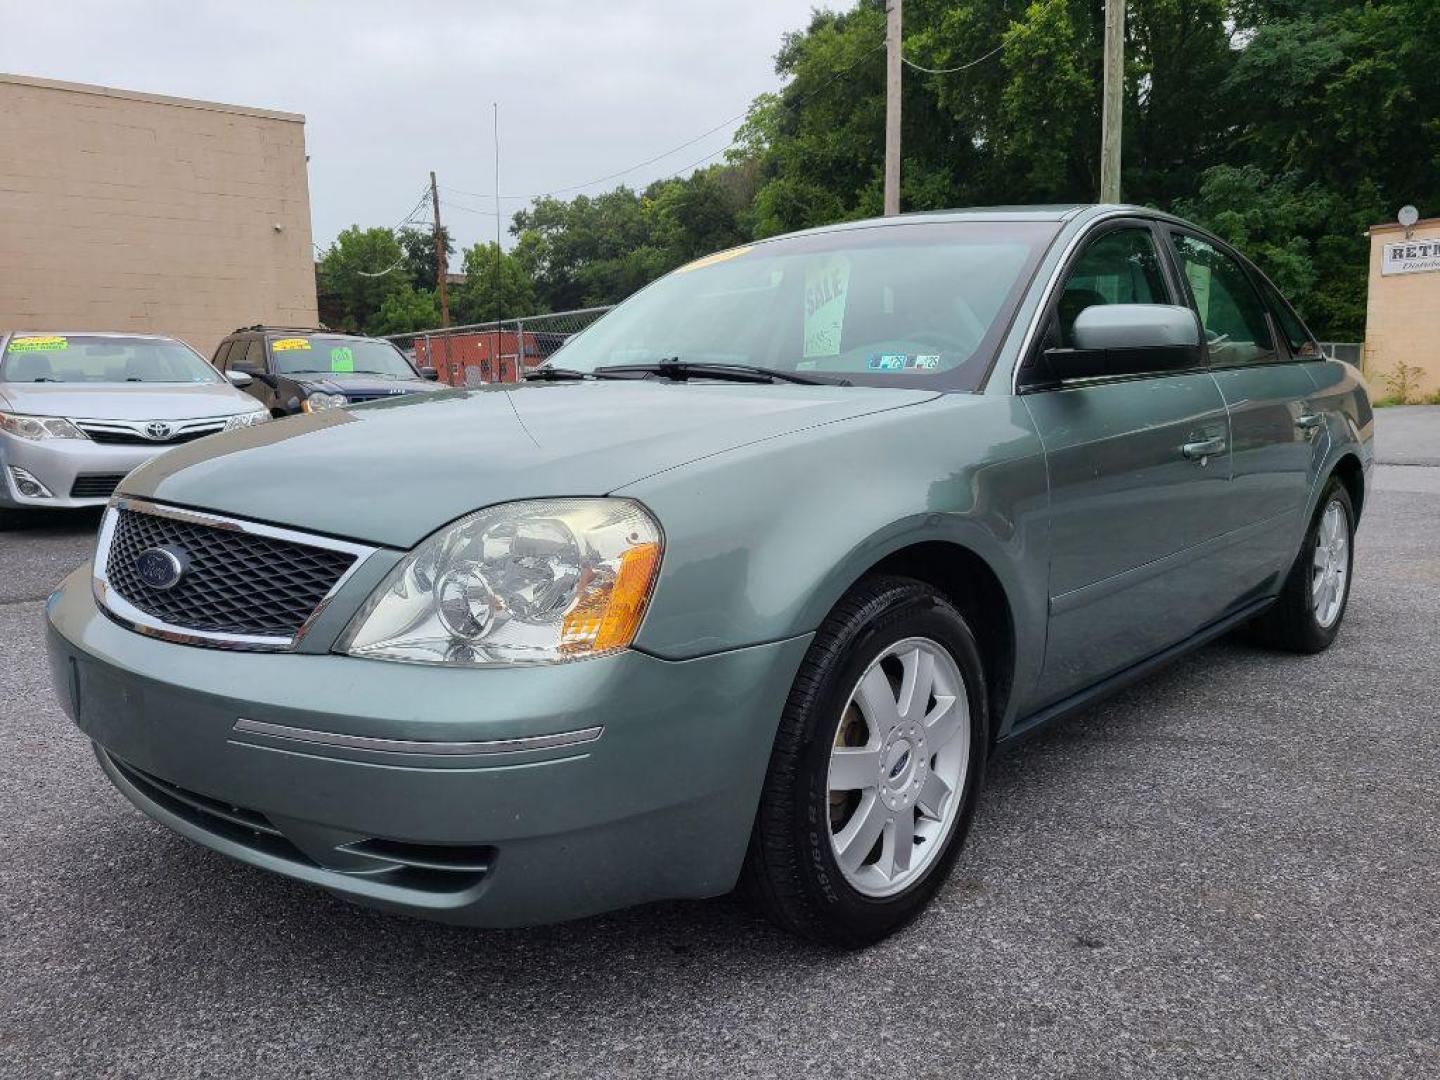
(419, 248)
(405, 310)
(495, 288)
(359, 271)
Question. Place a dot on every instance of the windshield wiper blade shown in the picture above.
(556, 374)
(681, 370)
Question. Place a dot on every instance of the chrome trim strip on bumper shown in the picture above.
(144, 623)
(420, 746)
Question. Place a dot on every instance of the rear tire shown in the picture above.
(1307, 616)
(850, 857)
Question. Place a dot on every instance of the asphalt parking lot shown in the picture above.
(1230, 869)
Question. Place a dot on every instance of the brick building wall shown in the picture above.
(126, 211)
(1402, 317)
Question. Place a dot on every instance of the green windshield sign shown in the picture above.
(342, 359)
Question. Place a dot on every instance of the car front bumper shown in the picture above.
(69, 468)
(396, 805)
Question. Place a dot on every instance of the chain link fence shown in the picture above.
(490, 352)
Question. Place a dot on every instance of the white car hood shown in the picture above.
(125, 401)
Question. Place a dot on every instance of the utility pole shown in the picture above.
(442, 271)
(892, 108)
(1112, 101)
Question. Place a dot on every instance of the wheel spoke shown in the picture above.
(898, 846)
(852, 769)
(877, 702)
(1322, 553)
(933, 794)
(943, 722)
(854, 841)
(918, 681)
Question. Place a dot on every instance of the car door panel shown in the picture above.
(1132, 520)
(1273, 430)
(1273, 460)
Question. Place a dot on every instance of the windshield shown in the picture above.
(81, 358)
(331, 355)
(913, 303)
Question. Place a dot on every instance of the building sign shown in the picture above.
(1411, 257)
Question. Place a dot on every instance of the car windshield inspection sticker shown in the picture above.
(887, 362)
(290, 344)
(50, 343)
(826, 285)
(342, 359)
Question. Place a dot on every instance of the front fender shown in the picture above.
(762, 541)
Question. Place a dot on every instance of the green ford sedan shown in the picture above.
(743, 588)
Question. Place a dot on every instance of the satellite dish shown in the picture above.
(1408, 217)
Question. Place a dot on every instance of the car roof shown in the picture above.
(1059, 213)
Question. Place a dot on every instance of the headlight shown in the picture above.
(527, 582)
(319, 400)
(40, 427)
(246, 419)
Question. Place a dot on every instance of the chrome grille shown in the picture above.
(134, 433)
(244, 584)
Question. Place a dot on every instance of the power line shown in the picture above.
(952, 70)
(791, 106)
(674, 149)
(466, 209)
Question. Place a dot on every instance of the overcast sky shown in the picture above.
(393, 90)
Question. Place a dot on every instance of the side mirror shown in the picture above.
(430, 373)
(1126, 339)
(239, 379)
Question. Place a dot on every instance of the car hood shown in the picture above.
(125, 401)
(363, 385)
(393, 471)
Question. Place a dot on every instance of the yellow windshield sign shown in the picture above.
(47, 343)
(711, 260)
(289, 344)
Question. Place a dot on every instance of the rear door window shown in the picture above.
(1230, 309)
(1302, 345)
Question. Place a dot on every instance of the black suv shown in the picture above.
(291, 369)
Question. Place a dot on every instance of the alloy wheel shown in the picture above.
(898, 766)
(1330, 574)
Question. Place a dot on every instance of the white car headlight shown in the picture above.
(319, 400)
(247, 419)
(39, 427)
(544, 581)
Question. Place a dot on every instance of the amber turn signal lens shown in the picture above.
(609, 615)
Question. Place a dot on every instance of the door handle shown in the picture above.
(1309, 420)
(1200, 451)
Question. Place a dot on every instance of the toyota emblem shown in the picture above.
(159, 430)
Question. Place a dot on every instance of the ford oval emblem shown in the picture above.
(161, 567)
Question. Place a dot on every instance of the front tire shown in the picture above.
(1312, 603)
(877, 765)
